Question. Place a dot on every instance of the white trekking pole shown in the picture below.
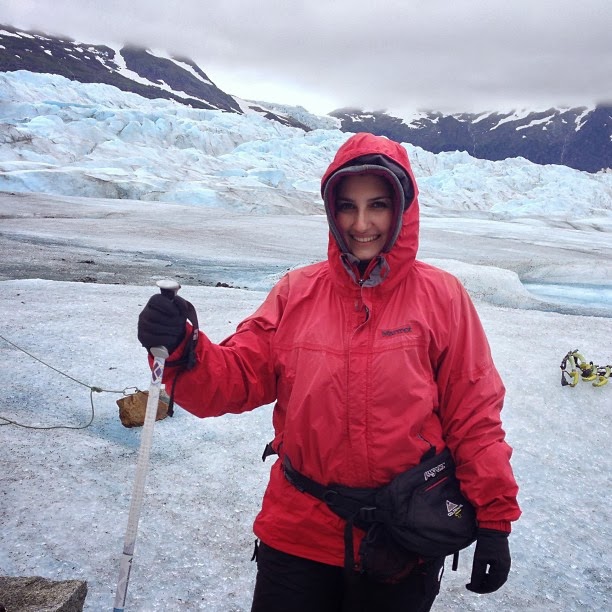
(160, 354)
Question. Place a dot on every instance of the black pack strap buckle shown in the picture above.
(346, 502)
(368, 514)
(268, 451)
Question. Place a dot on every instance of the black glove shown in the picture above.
(162, 322)
(492, 550)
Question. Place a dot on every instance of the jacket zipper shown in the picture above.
(350, 345)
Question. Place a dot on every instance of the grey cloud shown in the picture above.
(440, 54)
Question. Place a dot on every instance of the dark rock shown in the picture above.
(36, 594)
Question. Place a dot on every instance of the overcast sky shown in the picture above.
(397, 55)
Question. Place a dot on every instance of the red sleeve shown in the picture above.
(238, 374)
(471, 396)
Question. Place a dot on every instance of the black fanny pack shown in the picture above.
(421, 513)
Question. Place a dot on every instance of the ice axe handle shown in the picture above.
(168, 288)
(160, 354)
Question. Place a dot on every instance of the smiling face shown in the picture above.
(364, 213)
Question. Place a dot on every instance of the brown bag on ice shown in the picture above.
(132, 409)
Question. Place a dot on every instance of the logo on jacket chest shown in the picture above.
(387, 333)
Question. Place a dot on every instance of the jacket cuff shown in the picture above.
(505, 526)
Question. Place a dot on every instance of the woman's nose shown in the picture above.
(361, 220)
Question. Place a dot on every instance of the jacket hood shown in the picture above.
(366, 153)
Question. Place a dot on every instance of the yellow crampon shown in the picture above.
(603, 376)
(574, 366)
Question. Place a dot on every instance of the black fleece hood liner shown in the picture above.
(376, 159)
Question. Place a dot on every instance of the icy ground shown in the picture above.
(65, 494)
(207, 198)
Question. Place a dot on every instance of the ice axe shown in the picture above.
(168, 288)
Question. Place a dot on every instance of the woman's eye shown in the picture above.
(380, 204)
(343, 206)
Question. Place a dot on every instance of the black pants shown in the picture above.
(286, 583)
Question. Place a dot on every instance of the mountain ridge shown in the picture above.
(580, 138)
(129, 68)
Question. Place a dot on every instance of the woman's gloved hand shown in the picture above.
(162, 322)
(491, 564)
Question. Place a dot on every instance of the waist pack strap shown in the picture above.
(303, 483)
(354, 505)
(347, 502)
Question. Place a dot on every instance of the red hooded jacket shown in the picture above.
(366, 375)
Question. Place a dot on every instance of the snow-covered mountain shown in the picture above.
(577, 137)
(149, 74)
(580, 138)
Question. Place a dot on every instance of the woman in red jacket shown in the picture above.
(373, 358)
